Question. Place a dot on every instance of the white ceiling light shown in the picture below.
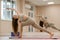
(8, 3)
(45, 0)
(50, 2)
(27, 6)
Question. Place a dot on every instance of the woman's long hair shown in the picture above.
(15, 25)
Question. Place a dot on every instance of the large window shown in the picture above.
(7, 14)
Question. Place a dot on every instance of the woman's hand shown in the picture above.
(13, 10)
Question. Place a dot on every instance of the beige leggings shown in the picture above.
(34, 24)
(52, 26)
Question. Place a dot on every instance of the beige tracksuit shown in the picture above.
(29, 21)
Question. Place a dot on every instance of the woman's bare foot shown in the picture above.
(51, 35)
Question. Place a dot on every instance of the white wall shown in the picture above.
(6, 27)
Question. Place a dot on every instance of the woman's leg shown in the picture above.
(40, 28)
(55, 28)
(32, 22)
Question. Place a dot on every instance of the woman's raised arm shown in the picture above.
(13, 10)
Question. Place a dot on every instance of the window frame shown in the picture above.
(12, 5)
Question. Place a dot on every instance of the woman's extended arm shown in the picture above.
(21, 28)
(14, 10)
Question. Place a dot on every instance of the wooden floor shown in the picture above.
(34, 36)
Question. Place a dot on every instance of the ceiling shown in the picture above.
(41, 2)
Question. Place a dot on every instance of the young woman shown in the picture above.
(23, 20)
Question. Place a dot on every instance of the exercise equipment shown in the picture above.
(13, 35)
